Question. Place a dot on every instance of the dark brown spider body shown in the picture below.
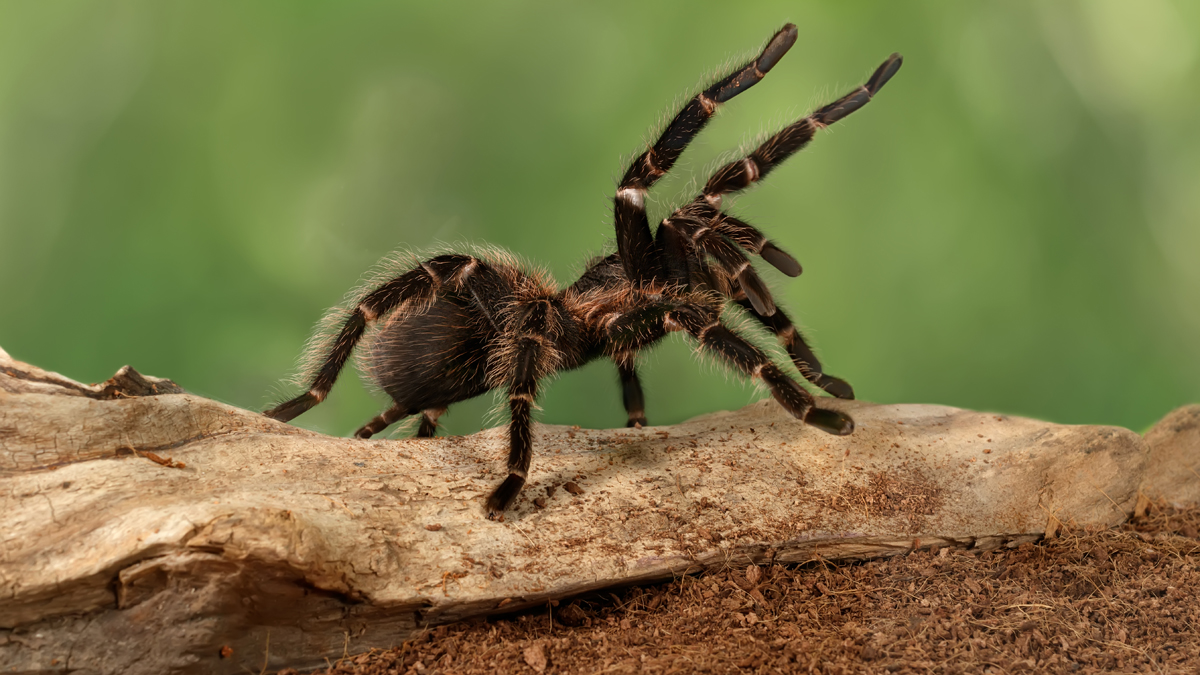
(457, 325)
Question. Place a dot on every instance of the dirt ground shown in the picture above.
(1113, 600)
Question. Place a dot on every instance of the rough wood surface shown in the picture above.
(146, 528)
(1173, 470)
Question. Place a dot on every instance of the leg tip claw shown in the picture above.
(504, 496)
(289, 410)
(836, 387)
(830, 421)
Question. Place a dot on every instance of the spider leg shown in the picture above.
(741, 173)
(429, 418)
(697, 234)
(753, 293)
(749, 238)
(631, 390)
(634, 242)
(802, 355)
(382, 421)
(701, 320)
(527, 358)
(719, 339)
(415, 287)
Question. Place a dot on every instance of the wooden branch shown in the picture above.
(147, 530)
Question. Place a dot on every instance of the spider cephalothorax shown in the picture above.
(457, 325)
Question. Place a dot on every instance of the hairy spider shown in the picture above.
(457, 325)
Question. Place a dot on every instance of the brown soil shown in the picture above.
(1121, 599)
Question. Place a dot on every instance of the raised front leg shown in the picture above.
(634, 243)
(701, 226)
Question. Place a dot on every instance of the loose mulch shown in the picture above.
(1091, 600)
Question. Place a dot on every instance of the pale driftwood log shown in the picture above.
(1173, 470)
(144, 529)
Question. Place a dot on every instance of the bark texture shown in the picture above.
(147, 530)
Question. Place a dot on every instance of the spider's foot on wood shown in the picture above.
(428, 428)
(504, 496)
(289, 410)
(830, 421)
(637, 422)
(381, 422)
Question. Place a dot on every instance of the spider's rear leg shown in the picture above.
(802, 355)
(343, 345)
(415, 287)
(382, 421)
(427, 429)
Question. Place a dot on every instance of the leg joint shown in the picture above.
(704, 331)
(634, 196)
(751, 167)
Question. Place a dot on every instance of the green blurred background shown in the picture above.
(1012, 225)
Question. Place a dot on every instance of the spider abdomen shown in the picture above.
(432, 359)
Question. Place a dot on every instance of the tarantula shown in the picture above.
(457, 325)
